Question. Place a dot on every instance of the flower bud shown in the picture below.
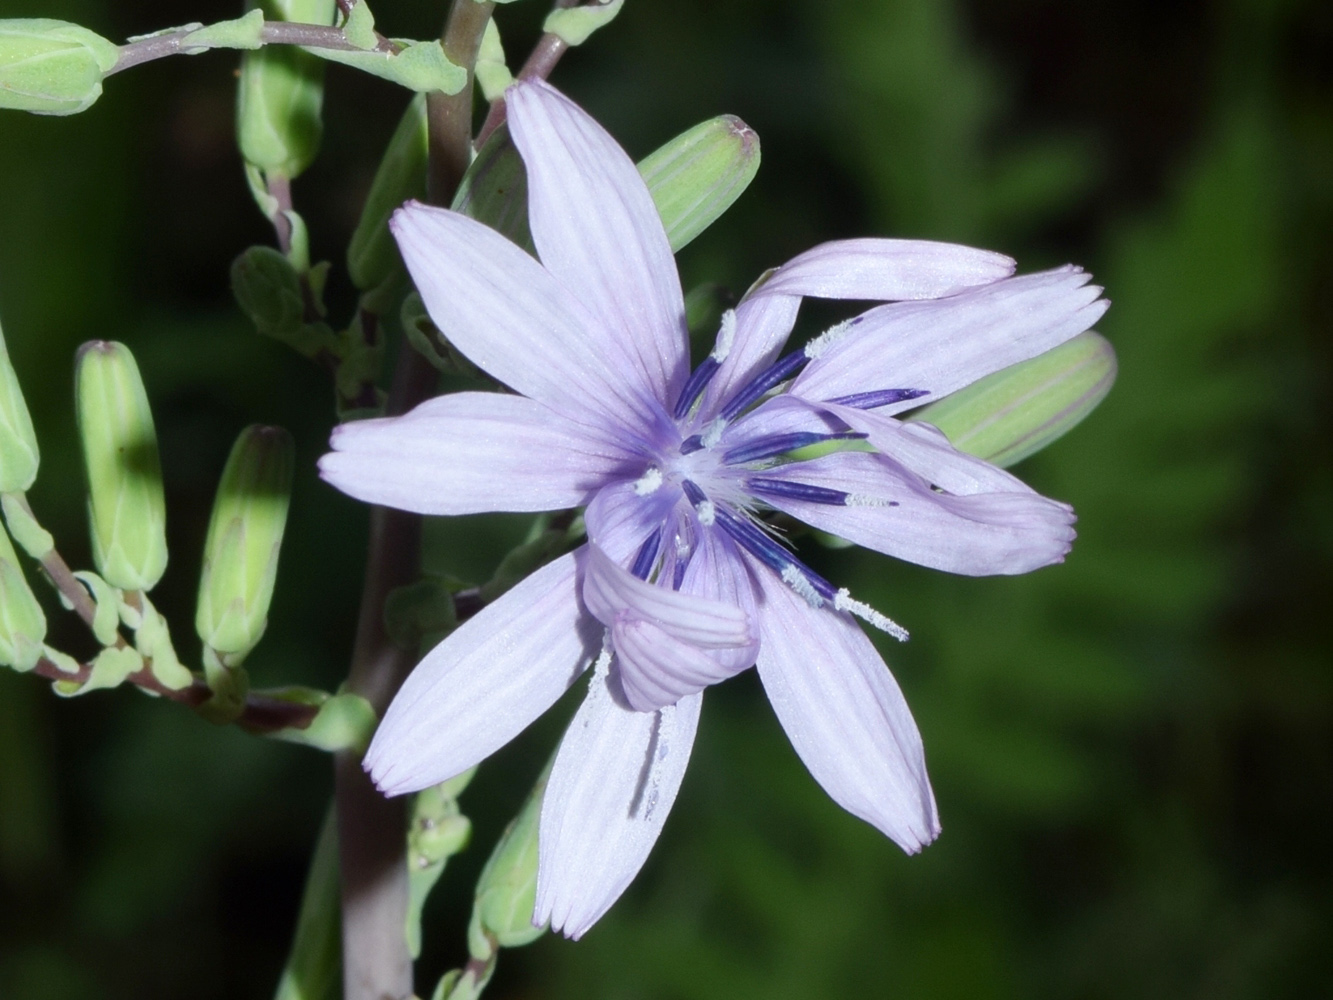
(372, 254)
(18, 443)
(22, 623)
(281, 94)
(126, 506)
(697, 176)
(1007, 416)
(244, 537)
(507, 889)
(52, 67)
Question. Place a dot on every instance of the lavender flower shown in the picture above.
(682, 583)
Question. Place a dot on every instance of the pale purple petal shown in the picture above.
(513, 319)
(668, 643)
(597, 230)
(892, 510)
(619, 519)
(925, 450)
(940, 346)
(763, 324)
(486, 682)
(610, 592)
(879, 270)
(470, 452)
(846, 716)
(614, 780)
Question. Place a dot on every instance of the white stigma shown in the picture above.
(707, 513)
(726, 336)
(797, 581)
(827, 339)
(602, 667)
(868, 500)
(844, 601)
(713, 432)
(650, 482)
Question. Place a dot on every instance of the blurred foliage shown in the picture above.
(1131, 751)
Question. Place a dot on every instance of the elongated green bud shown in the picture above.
(52, 67)
(244, 537)
(126, 506)
(372, 255)
(507, 889)
(437, 832)
(697, 176)
(22, 623)
(1016, 412)
(18, 443)
(281, 94)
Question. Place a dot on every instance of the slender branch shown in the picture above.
(540, 62)
(371, 841)
(171, 43)
(263, 714)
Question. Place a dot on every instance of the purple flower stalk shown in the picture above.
(682, 583)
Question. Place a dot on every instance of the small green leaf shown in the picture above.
(420, 66)
(575, 25)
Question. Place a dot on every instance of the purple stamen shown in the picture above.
(880, 397)
(769, 552)
(693, 494)
(779, 371)
(691, 444)
(797, 491)
(694, 387)
(643, 562)
(780, 444)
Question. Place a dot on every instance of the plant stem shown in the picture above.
(372, 838)
(319, 36)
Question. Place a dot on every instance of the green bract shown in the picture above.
(52, 67)
(372, 255)
(281, 93)
(1007, 416)
(244, 538)
(574, 25)
(19, 456)
(697, 176)
(126, 507)
(22, 623)
(419, 66)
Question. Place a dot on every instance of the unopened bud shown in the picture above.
(281, 94)
(372, 254)
(495, 189)
(507, 889)
(18, 444)
(126, 505)
(1007, 416)
(22, 623)
(244, 538)
(697, 176)
(52, 67)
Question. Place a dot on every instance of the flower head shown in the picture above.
(683, 583)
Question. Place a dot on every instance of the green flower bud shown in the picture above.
(281, 94)
(126, 506)
(52, 67)
(372, 254)
(507, 889)
(18, 443)
(244, 537)
(438, 831)
(697, 176)
(22, 623)
(1007, 416)
(495, 190)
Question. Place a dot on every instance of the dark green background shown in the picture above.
(1132, 752)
